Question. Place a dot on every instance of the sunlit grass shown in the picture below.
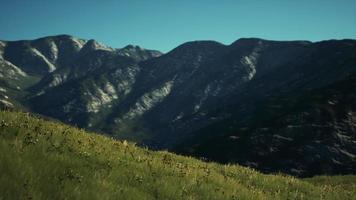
(47, 160)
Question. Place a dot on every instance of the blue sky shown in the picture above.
(164, 24)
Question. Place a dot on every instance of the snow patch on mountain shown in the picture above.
(137, 52)
(50, 65)
(94, 45)
(125, 79)
(6, 103)
(53, 50)
(10, 70)
(78, 43)
(203, 98)
(58, 79)
(250, 61)
(178, 117)
(213, 89)
(2, 47)
(149, 100)
(102, 96)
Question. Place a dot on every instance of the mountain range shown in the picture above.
(277, 106)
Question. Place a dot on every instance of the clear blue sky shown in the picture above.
(164, 24)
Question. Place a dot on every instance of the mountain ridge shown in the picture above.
(160, 100)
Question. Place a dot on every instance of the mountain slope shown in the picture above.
(299, 133)
(50, 160)
(162, 101)
(195, 84)
(31, 68)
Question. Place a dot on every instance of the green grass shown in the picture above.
(48, 160)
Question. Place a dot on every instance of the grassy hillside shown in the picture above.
(47, 160)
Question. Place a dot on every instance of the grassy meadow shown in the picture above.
(42, 159)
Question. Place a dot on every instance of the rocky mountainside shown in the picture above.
(33, 68)
(301, 133)
(200, 98)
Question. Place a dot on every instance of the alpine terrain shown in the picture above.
(277, 106)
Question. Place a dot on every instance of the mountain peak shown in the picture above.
(196, 47)
(56, 37)
(62, 36)
(133, 47)
(248, 41)
(201, 43)
(252, 41)
(92, 44)
(138, 53)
